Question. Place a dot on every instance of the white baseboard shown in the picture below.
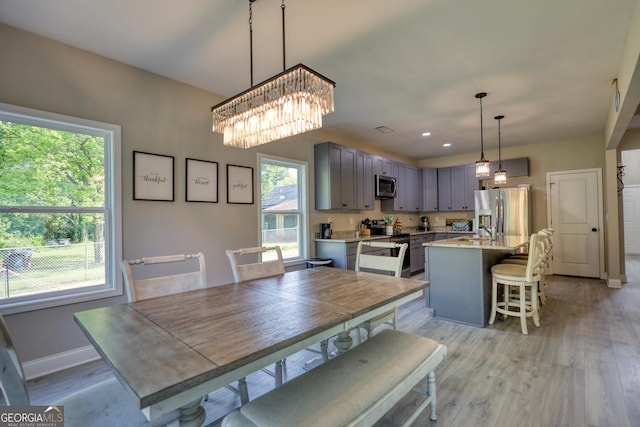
(57, 362)
(623, 278)
(614, 283)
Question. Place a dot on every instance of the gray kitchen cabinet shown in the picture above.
(456, 186)
(463, 185)
(514, 167)
(335, 176)
(365, 191)
(444, 189)
(409, 183)
(383, 166)
(430, 189)
(417, 251)
(343, 254)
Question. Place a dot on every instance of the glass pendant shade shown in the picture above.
(482, 168)
(290, 103)
(500, 177)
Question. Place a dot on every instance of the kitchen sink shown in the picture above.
(473, 239)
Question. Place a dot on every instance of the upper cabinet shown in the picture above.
(514, 167)
(383, 166)
(430, 189)
(365, 191)
(456, 186)
(463, 185)
(335, 176)
(409, 184)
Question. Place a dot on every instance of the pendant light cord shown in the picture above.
(499, 144)
(284, 54)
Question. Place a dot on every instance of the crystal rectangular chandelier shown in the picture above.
(287, 104)
(290, 103)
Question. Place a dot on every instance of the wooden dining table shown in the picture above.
(169, 352)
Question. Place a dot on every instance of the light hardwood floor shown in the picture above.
(580, 368)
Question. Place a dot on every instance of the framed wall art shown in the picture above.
(153, 177)
(239, 184)
(201, 181)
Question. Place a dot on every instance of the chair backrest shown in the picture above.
(142, 289)
(384, 263)
(12, 384)
(537, 246)
(255, 270)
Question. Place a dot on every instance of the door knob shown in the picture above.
(594, 229)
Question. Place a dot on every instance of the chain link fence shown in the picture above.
(59, 265)
(286, 238)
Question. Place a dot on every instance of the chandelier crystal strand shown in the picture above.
(290, 103)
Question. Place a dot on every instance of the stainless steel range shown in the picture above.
(406, 263)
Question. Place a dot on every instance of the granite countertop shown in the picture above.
(505, 243)
(342, 237)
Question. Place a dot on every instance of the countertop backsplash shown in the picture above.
(345, 224)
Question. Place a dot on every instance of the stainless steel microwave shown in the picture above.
(386, 187)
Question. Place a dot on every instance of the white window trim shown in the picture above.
(113, 286)
(304, 205)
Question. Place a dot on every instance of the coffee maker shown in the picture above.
(325, 230)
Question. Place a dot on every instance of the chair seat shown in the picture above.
(514, 261)
(106, 404)
(512, 272)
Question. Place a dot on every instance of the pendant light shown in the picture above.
(289, 103)
(482, 165)
(500, 176)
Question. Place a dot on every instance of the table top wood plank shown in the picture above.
(150, 362)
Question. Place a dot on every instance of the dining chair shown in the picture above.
(390, 263)
(105, 404)
(524, 279)
(141, 289)
(256, 263)
(157, 286)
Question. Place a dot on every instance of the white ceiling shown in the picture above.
(411, 65)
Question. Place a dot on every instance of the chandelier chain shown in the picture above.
(284, 52)
(251, 39)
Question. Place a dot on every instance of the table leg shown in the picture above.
(343, 342)
(192, 415)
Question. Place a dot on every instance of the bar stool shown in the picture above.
(522, 259)
(525, 278)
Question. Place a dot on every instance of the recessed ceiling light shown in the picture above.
(426, 133)
(446, 144)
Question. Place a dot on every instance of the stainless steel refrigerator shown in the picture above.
(507, 209)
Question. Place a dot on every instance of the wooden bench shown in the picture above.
(354, 389)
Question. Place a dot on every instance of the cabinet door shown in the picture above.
(430, 189)
(444, 189)
(458, 194)
(400, 172)
(365, 193)
(383, 166)
(413, 195)
(347, 182)
(471, 185)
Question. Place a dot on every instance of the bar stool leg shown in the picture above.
(523, 310)
(494, 300)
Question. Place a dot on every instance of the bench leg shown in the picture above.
(343, 342)
(431, 386)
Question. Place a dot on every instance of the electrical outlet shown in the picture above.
(350, 220)
(330, 220)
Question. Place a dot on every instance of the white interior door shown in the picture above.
(631, 202)
(574, 204)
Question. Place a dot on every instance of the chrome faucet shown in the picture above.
(491, 230)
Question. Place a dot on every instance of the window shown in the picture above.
(283, 206)
(59, 214)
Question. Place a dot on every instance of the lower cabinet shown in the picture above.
(343, 254)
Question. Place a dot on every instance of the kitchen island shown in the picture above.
(459, 271)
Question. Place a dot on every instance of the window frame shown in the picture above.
(112, 210)
(303, 203)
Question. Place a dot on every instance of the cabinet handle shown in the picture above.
(344, 204)
(366, 206)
